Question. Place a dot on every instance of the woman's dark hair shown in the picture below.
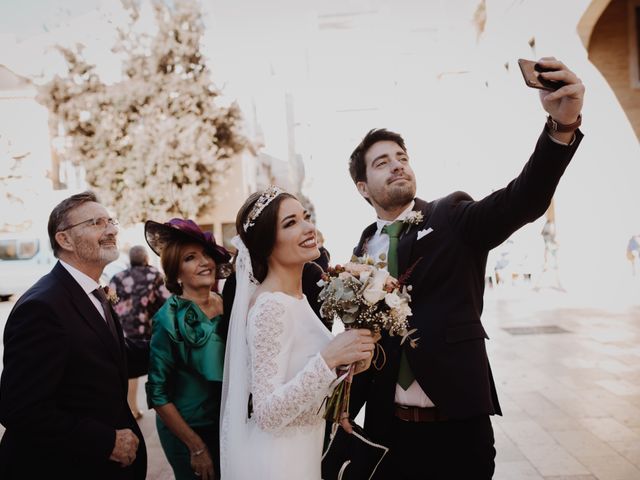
(260, 238)
(170, 260)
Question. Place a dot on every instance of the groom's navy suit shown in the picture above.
(63, 391)
(444, 259)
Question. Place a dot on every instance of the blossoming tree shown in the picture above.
(157, 142)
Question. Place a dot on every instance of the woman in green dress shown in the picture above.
(187, 351)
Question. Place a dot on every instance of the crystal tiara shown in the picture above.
(265, 199)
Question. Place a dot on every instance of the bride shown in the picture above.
(280, 359)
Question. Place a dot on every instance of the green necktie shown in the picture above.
(405, 376)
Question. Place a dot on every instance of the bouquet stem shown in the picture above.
(338, 402)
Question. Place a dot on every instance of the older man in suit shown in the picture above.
(63, 391)
(432, 404)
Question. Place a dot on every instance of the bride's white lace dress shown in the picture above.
(289, 380)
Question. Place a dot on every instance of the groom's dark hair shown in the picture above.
(260, 238)
(357, 165)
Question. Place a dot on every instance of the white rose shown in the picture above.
(404, 310)
(392, 300)
(374, 291)
(344, 276)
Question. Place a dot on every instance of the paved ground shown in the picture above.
(571, 399)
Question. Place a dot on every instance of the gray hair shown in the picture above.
(138, 256)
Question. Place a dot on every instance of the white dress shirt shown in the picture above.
(87, 284)
(414, 396)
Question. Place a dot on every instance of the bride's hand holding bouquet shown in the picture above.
(350, 347)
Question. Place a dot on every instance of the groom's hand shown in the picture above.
(565, 104)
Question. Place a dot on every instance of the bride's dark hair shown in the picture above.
(260, 238)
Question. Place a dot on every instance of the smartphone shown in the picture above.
(530, 68)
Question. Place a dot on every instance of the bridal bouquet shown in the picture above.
(363, 295)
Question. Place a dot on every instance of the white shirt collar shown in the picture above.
(87, 283)
(381, 223)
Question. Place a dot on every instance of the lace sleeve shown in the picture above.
(277, 402)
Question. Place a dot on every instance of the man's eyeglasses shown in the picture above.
(101, 222)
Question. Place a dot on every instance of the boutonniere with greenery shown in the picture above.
(415, 217)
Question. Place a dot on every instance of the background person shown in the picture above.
(141, 292)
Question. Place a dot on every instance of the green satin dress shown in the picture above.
(185, 368)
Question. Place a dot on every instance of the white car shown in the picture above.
(24, 258)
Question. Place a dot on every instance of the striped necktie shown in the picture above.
(100, 294)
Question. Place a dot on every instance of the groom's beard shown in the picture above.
(395, 197)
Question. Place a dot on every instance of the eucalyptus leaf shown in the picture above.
(348, 318)
(351, 307)
(348, 295)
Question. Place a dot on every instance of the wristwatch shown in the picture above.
(561, 127)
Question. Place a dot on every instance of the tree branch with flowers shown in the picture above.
(158, 142)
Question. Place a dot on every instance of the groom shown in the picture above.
(431, 404)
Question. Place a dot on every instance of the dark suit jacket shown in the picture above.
(446, 268)
(63, 391)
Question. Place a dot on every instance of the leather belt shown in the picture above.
(418, 414)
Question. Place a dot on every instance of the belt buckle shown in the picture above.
(416, 414)
(405, 408)
(411, 413)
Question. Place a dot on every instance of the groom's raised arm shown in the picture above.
(490, 221)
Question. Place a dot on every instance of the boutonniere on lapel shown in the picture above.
(414, 217)
(111, 295)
